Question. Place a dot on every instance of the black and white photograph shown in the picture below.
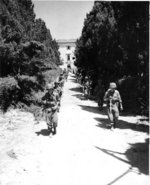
(74, 92)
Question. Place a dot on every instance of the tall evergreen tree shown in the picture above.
(114, 44)
(27, 50)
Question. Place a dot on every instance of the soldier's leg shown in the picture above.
(110, 116)
(102, 99)
(100, 103)
(49, 123)
(116, 116)
(55, 122)
(54, 130)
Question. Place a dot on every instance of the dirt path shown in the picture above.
(84, 151)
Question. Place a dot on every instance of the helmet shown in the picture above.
(112, 85)
(49, 86)
(86, 78)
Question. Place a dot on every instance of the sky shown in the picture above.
(64, 18)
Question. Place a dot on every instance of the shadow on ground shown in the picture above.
(137, 157)
(93, 109)
(76, 89)
(103, 122)
(120, 176)
(79, 96)
(73, 80)
(44, 132)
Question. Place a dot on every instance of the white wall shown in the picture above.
(64, 52)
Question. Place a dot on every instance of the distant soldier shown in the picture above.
(50, 107)
(61, 80)
(113, 99)
(80, 79)
(77, 76)
(86, 88)
(99, 92)
(58, 93)
(69, 67)
(66, 73)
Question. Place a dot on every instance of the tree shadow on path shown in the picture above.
(103, 122)
(120, 176)
(137, 156)
(44, 132)
(79, 96)
(95, 109)
(91, 109)
(73, 80)
(76, 89)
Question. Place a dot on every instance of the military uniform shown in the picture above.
(99, 92)
(86, 88)
(66, 73)
(51, 111)
(58, 93)
(61, 80)
(113, 99)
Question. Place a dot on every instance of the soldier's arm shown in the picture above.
(120, 101)
(106, 98)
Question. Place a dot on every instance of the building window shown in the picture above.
(68, 47)
(68, 57)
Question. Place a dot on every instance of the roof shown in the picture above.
(59, 41)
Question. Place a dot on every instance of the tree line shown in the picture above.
(114, 46)
(29, 56)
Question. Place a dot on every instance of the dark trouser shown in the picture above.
(100, 102)
(52, 121)
(113, 115)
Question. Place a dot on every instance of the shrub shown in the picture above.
(9, 92)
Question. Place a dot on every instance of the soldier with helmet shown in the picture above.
(113, 100)
(58, 93)
(66, 73)
(50, 107)
(87, 87)
(61, 80)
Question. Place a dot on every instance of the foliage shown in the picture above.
(27, 52)
(8, 92)
(114, 45)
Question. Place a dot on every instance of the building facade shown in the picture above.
(66, 49)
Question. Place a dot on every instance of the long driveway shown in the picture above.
(84, 151)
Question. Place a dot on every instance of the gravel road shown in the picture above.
(84, 151)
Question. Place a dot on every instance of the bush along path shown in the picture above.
(84, 150)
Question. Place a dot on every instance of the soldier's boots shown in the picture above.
(54, 130)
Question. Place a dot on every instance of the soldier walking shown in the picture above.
(58, 93)
(61, 80)
(99, 92)
(87, 88)
(50, 107)
(113, 99)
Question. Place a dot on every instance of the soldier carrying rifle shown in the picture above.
(50, 108)
(58, 93)
(113, 99)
